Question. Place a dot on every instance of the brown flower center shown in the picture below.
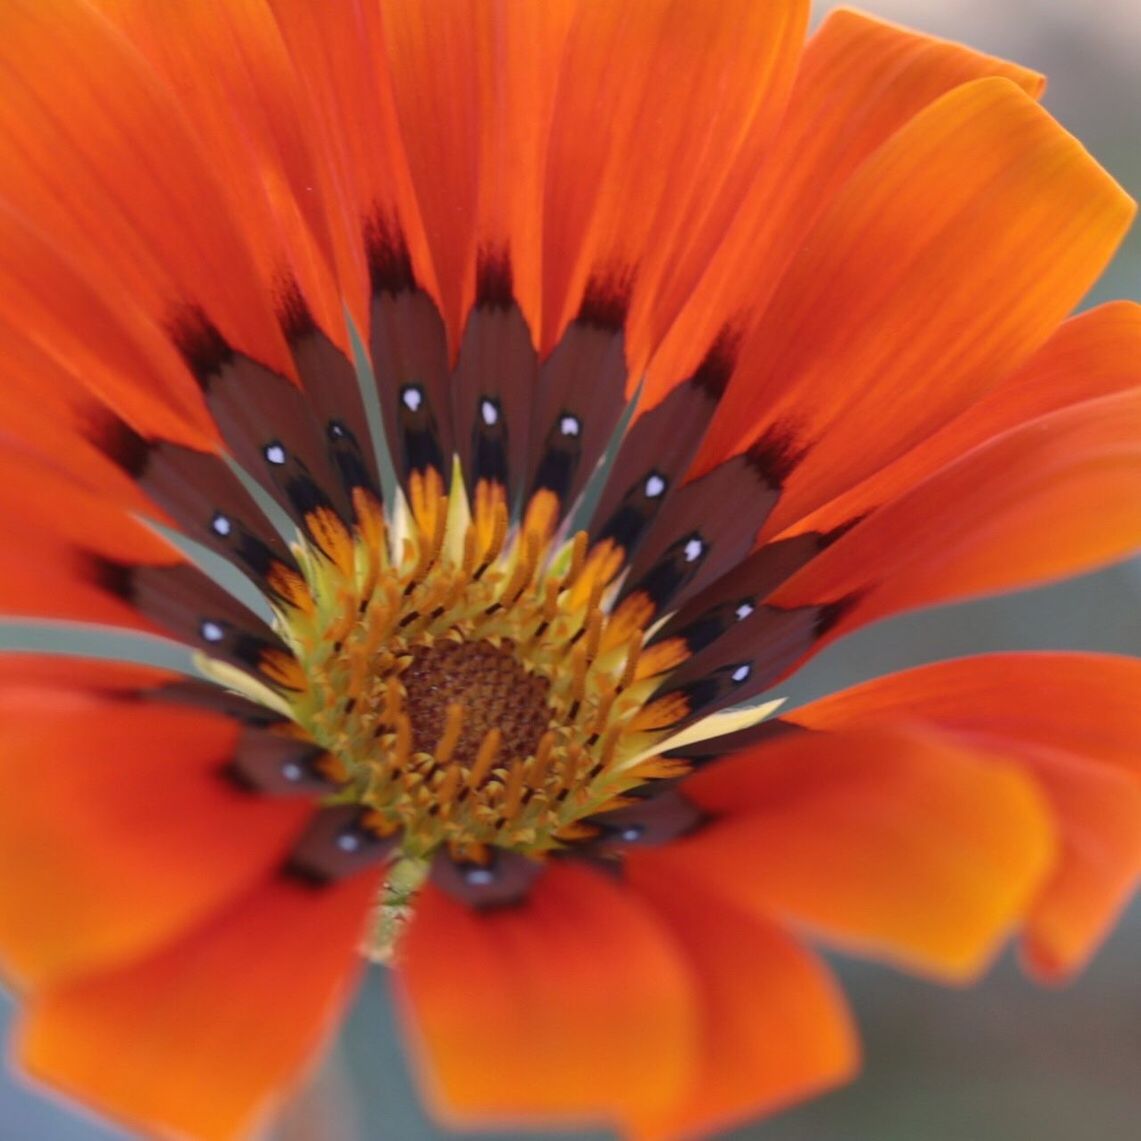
(491, 685)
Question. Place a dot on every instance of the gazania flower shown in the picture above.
(559, 377)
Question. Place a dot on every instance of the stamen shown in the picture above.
(448, 787)
(447, 743)
(485, 758)
(514, 793)
(541, 762)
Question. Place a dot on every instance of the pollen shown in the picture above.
(460, 675)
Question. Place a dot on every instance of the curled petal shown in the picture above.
(887, 842)
(1073, 721)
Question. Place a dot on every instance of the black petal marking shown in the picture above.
(778, 453)
(579, 401)
(560, 458)
(355, 462)
(389, 261)
(118, 441)
(606, 300)
(709, 526)
(715, 371)
(408, 346)
(267, 422)
(200, 493)
(749, 656)
(660, 446)
(708, 627)
(182, 601)
(713, 611)
(660, 818)
(712, 691)
(494, 280)
(330, 382)
(335, 844)
(676, 566)
(201, 345)
(493, 386)
(278, 765)
(505, 879)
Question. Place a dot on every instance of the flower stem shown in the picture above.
(394, 907)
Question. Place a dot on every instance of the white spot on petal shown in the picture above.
(412, 398)
(292, 771)
(631, 833)
(741, 673)
(479, 877)
(655, 485)
(569, 425)
(275, 453)
(220, 524)
(212, 632)
(488, 412)
(744, 610)
(694, 549)
(348, 842)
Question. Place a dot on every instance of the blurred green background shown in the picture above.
(1006, 1061)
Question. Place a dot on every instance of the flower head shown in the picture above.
(559, 377)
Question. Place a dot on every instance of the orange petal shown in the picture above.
(1091, 355)
(859, 81)
(38, 500)
(519, 96)
(574, 1006)
(947, 259)
(100, 155)
(256, 126)
(1074, 721)
(1088, 704)
(474, 84)
(58, 534)
(37, 671)
(99, 333)
(202, 1038)
(774, 1027)
(45, 412)
(118, 830)
(896, 844)
(690, 94)
(1055, 497)
(1098, 813)
(342, 62)
(47, 578)
(435, 56)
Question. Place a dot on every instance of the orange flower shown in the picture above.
(488, 722)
